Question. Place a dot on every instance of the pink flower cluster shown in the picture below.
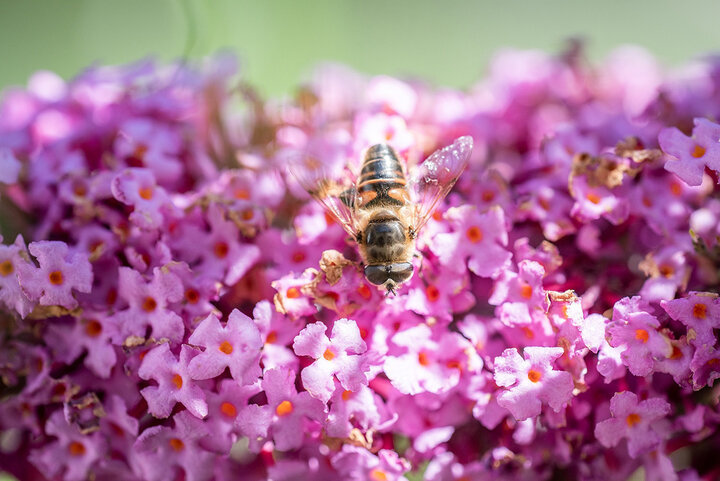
(174, 306)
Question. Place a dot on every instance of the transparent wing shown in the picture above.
(334, 189)
(432, 180)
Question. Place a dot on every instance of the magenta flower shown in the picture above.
(431, 362)
(700, 313)
(236, 346)
(277, 332)
(223, 410)
(142, 142)
(149, 305)
(162, 450)
(11, 262)
(59, 274)
(73, 454)
(339, 356)
(690, 155)
(137, 188)
(362, 408)
(92, 334)
(532, 381)
(174, 383)
(290, 298)
(286, 410)
(636, 330)
(479, 238)
(441, 296)
(358, 464)
(633, 420)
(593, 202)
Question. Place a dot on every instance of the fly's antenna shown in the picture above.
(390, 289)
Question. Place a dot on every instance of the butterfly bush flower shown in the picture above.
(235, 346)
(690, 155)
(73, 452)
(636, 330)
(634, 421)
(339, 355)
(149, 305)
(700, 313)
(562, 311)
(162, 450)
(174, 383)
(531, 381)
(11, 262)
(479, 238)
(285, 413)
(58, 275)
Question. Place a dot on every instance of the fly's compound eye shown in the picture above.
(377, 274)
(400, 272)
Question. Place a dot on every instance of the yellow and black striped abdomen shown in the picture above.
(382, 182)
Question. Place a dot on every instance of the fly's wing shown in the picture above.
(334, 190)
(432, 180)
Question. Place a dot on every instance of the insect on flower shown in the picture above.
(382, 209)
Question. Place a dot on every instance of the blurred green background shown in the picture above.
(446, 42)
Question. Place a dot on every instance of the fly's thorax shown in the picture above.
(386, 240)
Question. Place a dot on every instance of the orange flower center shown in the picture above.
(176, 444)
(149, 304)
(454, 364)
(647, 202)
(140, 151)
(676, 353)
(700, 310)
(177, 380)
(246, 214)
(488, 196)
(632, 419)
(698, 151)
(192, 296)
(284, 408)
(221, 249)
(676, 189)
(271, 337)
(474, 234)
(641, 335)
(299, 256)
(93, 328)
(328, 354)
(423, 359)
(592, 197)
(528, 332)
(526, 291)
(293, 293)
(666, 271)
(534, 375)
(378, 474)
(432, 293)
(242, 194)
(364, 291)
(228, 410)
(346, 395)
(226, 347)
(145, 193)
(6, 268)
(56, 278)
(76, 448)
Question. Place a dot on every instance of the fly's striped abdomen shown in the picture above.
(382, 181)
